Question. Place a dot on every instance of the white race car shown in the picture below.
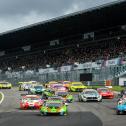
(89, 95)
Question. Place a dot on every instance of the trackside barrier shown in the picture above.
(104, 73)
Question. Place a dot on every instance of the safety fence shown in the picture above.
(105, 73)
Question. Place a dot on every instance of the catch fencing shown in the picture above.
(105, 73)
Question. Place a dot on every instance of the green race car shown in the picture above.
(36, 89)
(66, 96)
(47, 93)
(54, 107)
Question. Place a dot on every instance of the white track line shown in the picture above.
(2, 97)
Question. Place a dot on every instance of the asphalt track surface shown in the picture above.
(80, 114)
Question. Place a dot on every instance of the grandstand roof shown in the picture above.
(105, 16)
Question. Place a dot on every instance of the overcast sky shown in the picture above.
(18, 13)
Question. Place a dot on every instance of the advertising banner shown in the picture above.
(113, 62)
(65, 68)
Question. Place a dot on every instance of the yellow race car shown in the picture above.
(5, 85)
(0, 86)
(76, 86)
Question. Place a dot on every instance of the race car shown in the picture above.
(66, 84)
(89, 95)
(54, 107)
(59, 88)
(52, 86)
(0, 86)
(76, 86)
(5, 85)
(105, 93)
(47, 93)
(121, 106)
(31, 101)
(47, 85)
(123, 92)
(36, 89)
(65, 96)
(24, 86)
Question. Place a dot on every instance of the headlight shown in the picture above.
(99, 96)
(84, 96)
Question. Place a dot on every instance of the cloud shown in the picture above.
(18, 13)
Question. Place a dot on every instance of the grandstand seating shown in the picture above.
(102, 50)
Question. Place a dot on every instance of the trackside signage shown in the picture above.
(113, 62)
(65, 68)
(87, 65)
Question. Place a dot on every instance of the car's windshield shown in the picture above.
(28, 85)
(55, 98)
(30, 99)
(4, 83)
(77, 85)
(122, 102)
(104, 90)
(53, 104)
(58, 86)
(61, 93)
(66, 82)
(38, 87)
(90, 92)
(34, 82)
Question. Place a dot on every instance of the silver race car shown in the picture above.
(89, 95)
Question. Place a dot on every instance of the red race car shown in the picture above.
(105, 93)
(31, 101)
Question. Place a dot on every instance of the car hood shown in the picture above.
(78, 86)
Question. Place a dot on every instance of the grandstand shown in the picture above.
(89, 41)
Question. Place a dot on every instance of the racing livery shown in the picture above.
(31, 101)
(59, 88)
(121, 106)
(5, 85)
(89, 95)
(53, 107)
(76, 86)
(105, 93)
(66, 84)
(24, 87)
(47, 93)
(47, 85)
(65, 96)
(36, 89)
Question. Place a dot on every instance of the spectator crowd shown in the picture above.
(66, 56)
